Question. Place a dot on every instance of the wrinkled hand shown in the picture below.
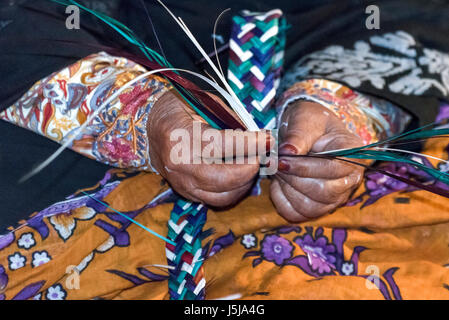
(306, 188)
(217, 185)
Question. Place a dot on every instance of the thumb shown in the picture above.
(303, 130)
(235, 143)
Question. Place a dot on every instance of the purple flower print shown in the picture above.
(322, 258)
(29, 291)
(221, 243)
(249, 241)
(320, 253)
(379, 185)
(40, 258)
(3, 278)
(6, 240)
(276, 249)
(56, 292)
(347, 268)
(443, 113)
(26, 241)
(137, 281)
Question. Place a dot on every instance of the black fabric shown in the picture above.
(314, 26)
(26, 56)
(28, 53)
(20, 150)
(28, 50)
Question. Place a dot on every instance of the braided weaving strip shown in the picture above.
(186, 281)
(256, 57)
(255, 61)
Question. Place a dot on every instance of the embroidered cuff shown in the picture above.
(59, 104)
(370, 118)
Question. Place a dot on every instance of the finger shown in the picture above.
(224, 177)
(304, 205)
(222, 199)
(310, 167)
(338, 138)
(233, 143)
(339, 141)
(283, 205)
(303, 130)
(186, 187)
(321, 190)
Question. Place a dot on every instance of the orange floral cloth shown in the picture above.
(383, 245)
(392, 248)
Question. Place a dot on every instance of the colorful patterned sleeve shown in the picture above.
(371, 118)
(59, 104)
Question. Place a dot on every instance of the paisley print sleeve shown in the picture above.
(59, 104)
(370, 118)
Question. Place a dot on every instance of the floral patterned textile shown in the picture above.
(384, 245)
(393, 248)
(372, 119)
(58, 105)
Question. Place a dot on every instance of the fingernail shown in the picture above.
(283, 166)
(287, 148)
(268, 146)
(268, 141)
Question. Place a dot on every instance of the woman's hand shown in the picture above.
(306, 188)
(218, 185)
